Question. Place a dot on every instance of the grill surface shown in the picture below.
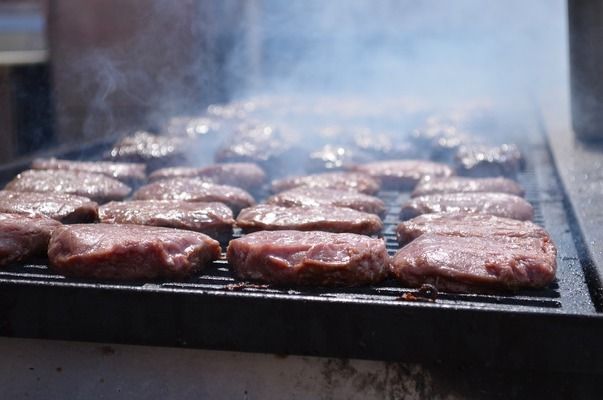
(215, 311)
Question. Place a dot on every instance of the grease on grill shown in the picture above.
(426, 292)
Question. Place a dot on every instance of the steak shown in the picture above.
(358, 182)
(457, 184)
(129, 173)
(483, 161)
(308, 258)
(23, 238)
(403, 174)
(460, 224)
(124, 252)
(316, 197)
(476, 264)
(153, 150)
(268, 217)
(213, 219)
(193, 189)
(97, 187)
(499, 204)
(65, 208)
(248, 176)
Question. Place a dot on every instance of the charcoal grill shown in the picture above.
(558, 328)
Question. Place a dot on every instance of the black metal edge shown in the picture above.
(363, 331)
(574, 163)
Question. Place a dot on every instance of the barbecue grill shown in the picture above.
(527, 329)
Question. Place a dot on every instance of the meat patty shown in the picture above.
(269, 217)
(457, 184)
(123, 252)
(97, 187)
(499, 204)
(315, 197)
(153, 150)
(65, 208)
(193, 189)
(483, 161)
(403, 174)
(308, 258)
(358, 182)
(248, 176)
(470, 263)
(213, 219)
(129, 173)
(333, 157)
(24, 237)
(461, 224)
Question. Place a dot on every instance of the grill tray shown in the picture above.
(557, 327)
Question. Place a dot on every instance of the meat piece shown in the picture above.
(129, 173)
(482, 161)
(97, 187)
(320, 218)
(460, 224)
(192, 189)
(23, 238)
(316, 197)
(213, 219)
(65, 208)
(468, 264)
(308, 258)
(123, 252)
(358, 182)
(403, 174)
(331, 158)
(457, 184)
(384, 145)
(248, 176)
(499, 204)
(153, 150)
(442, 139)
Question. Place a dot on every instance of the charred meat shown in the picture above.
(309, 258)
(267, 217)
(97, 187)
(124, 252)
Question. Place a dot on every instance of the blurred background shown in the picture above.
(73, 71)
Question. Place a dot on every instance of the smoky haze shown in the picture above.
(445, 52)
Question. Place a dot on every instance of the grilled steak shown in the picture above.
(129, 173)
(461, 224)
(467, 264)
(65, 208)
(330, 180)
(499, 204)
(308, 258)
(482, 161)
(144, 147)
(113, 251)
(315, 197)
(97, 187)
(457, 184)
(24, 237)
(319, 218)
(213, 219)
(193, 189)
(403, 174)
(248, 176)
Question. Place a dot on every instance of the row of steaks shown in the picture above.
(465, 233)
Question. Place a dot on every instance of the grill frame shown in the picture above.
(557, 327)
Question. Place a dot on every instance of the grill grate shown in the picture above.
(568, 294)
